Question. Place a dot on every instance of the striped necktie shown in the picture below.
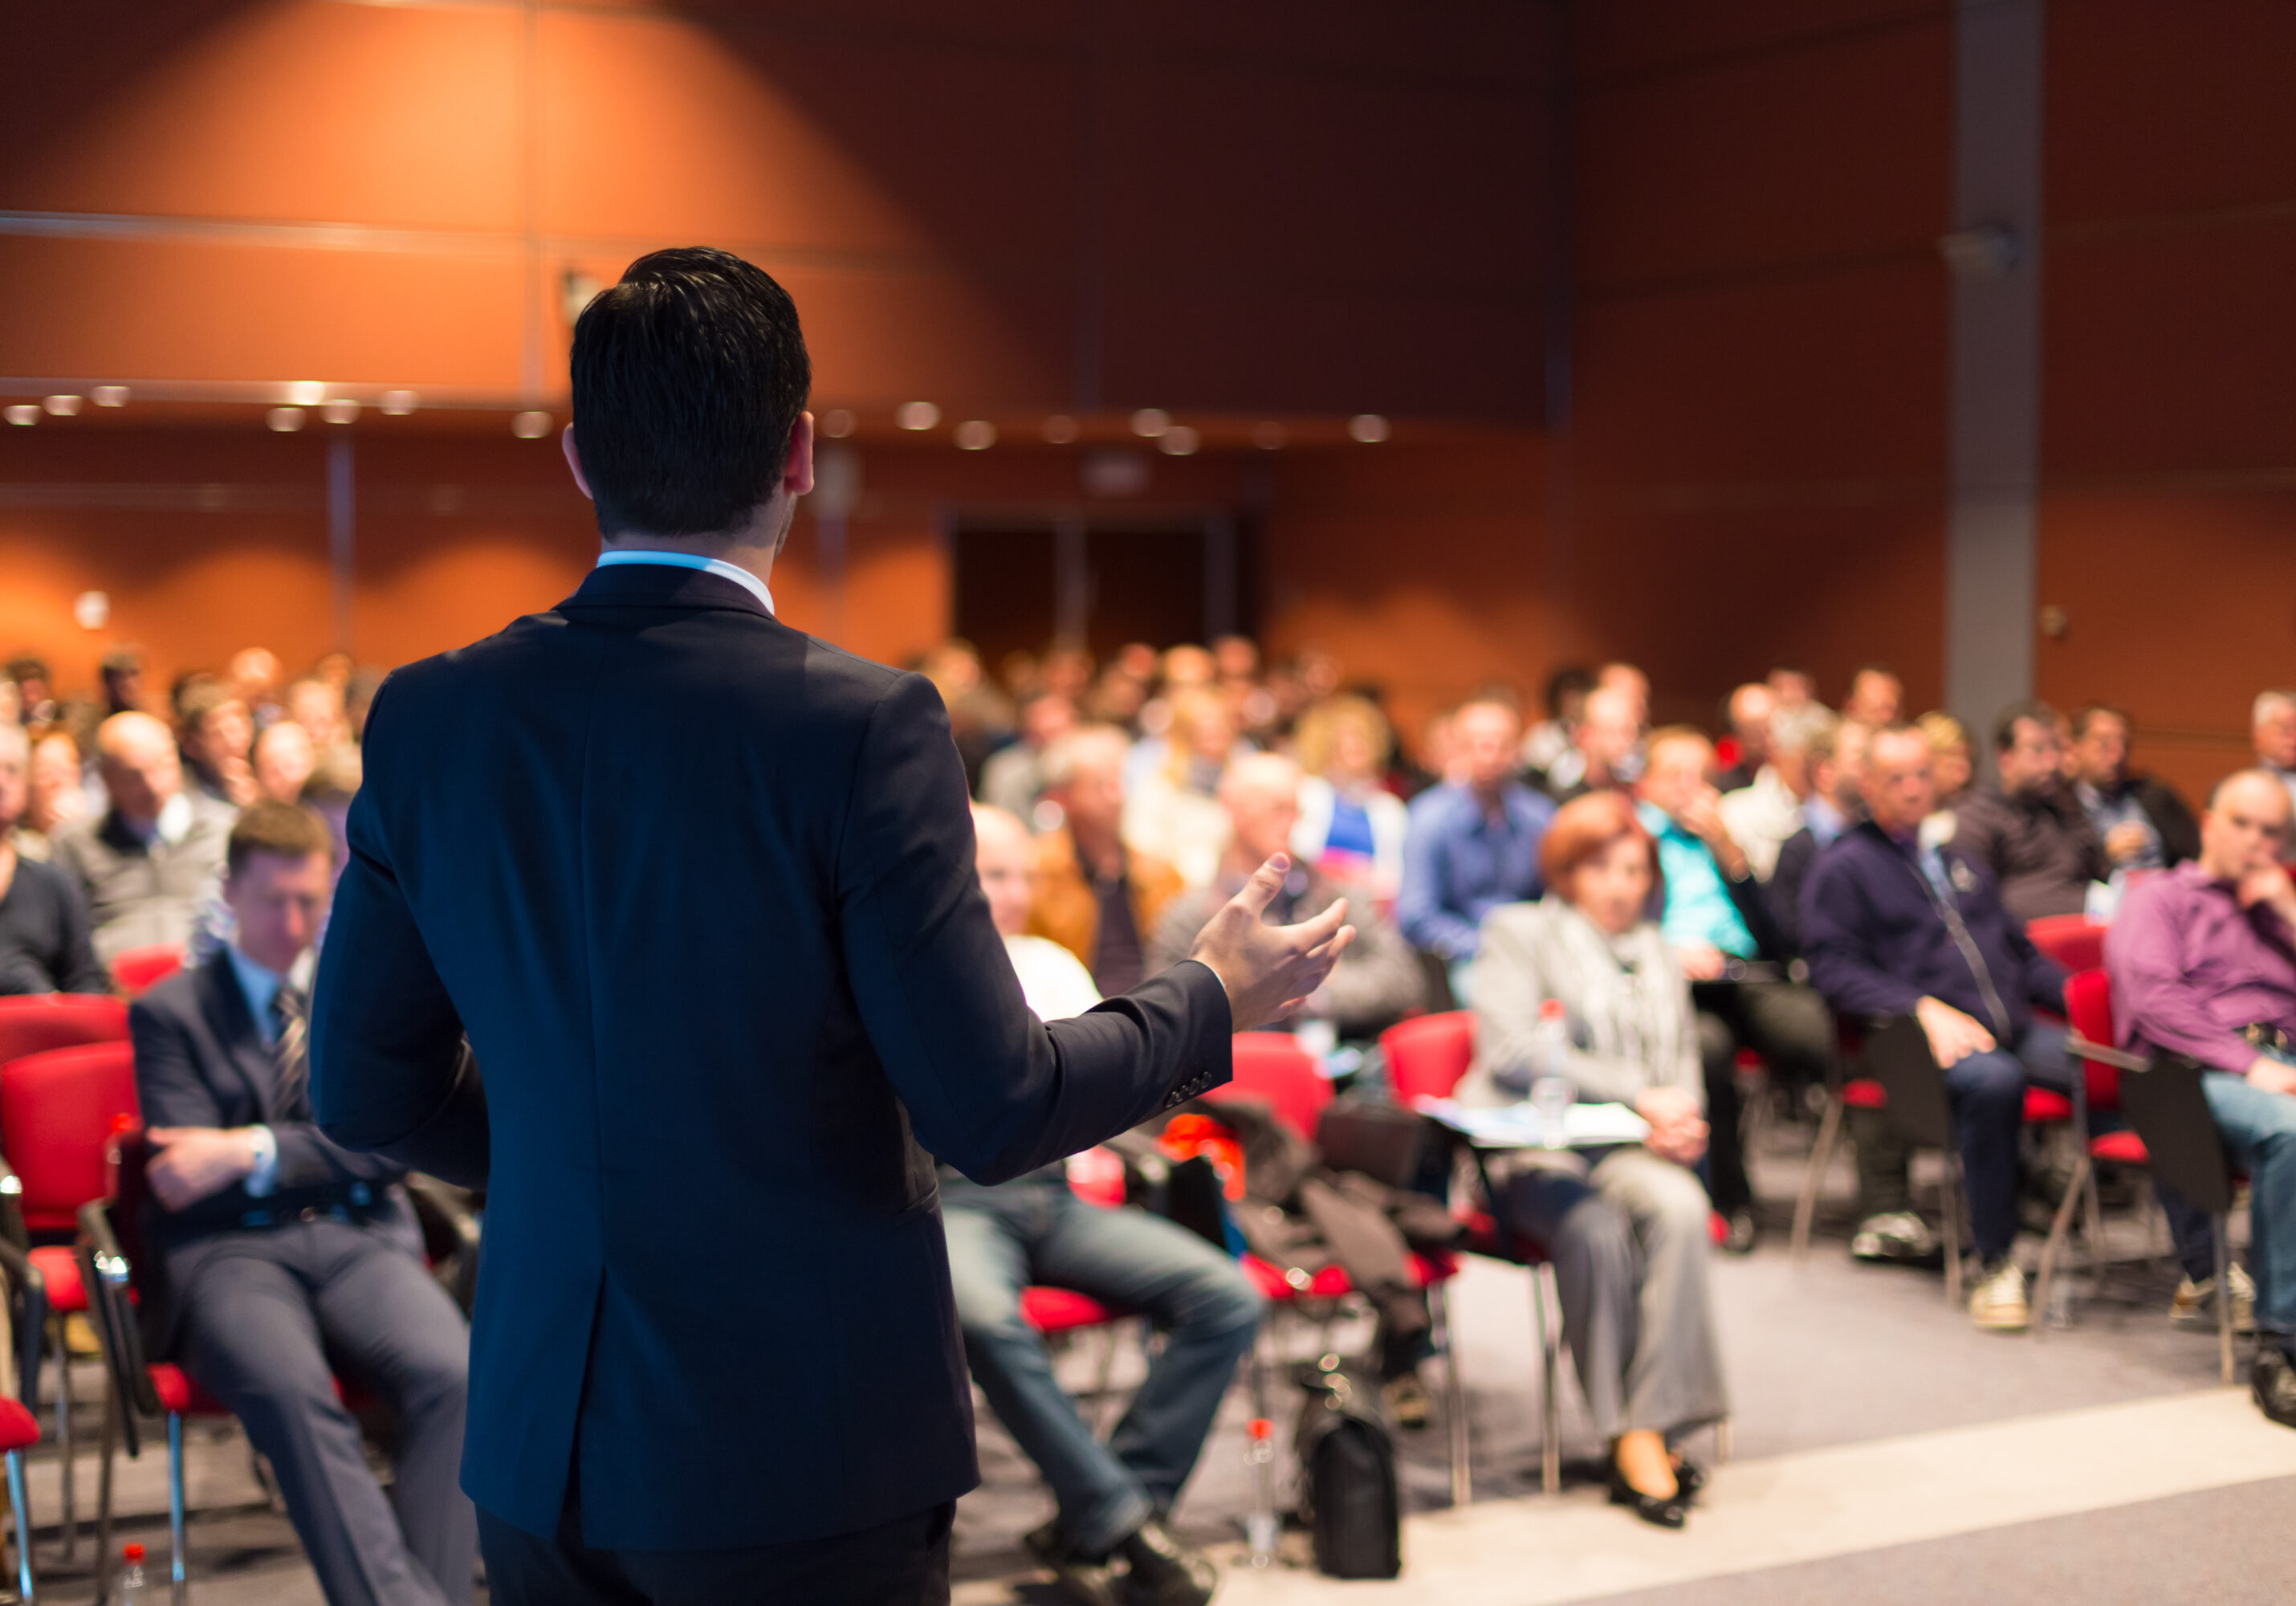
(291, 1035)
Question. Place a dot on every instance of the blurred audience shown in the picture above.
(283, 760)
(1014, 777)
(1551, 738)
(1875, 697)
(1765, 810)
(2273, 724)
(1350, 827)
(1172, 812)
(2028, 830)
(1746, 717)
(45, 944)
(2142, 823)
(1094, 896)
(1835, 802)
(145, 863)
(55, 797)
(1952, 759)
(1605, 747)
(1472, 844)
(1791, 686)
(216, 734)
(121, 673)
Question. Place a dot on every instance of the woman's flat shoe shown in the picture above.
(1689, 1478)
(1671, 1512)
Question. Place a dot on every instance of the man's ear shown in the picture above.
(574, 459)
(797, 470)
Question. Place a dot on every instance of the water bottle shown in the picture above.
(1552, 1091)
(131, 1591)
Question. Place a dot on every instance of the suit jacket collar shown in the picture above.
(223, 1003)
(660, 585)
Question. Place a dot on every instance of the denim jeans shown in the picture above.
(1988, 1091)
(2260, 1129)
(1035, 1230)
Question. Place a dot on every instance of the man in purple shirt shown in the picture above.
(2202, 960)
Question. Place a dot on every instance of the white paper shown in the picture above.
(1518, 1126)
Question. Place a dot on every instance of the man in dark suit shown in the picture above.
(284, 1259)
(699, 892)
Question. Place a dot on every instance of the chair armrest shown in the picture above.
(28, 1294)
(450, 1234)
(103, 1268)
(12, 1230)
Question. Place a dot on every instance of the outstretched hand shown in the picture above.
(1269, 970)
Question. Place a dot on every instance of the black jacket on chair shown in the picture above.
(700, 890)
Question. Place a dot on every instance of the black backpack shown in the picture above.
(1348, 1500)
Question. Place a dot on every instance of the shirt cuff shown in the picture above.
(265, 1177)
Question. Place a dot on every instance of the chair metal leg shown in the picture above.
(1260, 1523)
(112, 1406)
(179, 1587)
(2060, 1229)
(1722, 1441)
(21, 1500)
(1455, 1394)
(2223, 1296)
(62, 1350)
(1950, 1207)
(1812, 1183)
(1550, 1452)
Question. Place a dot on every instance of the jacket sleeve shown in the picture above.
(389, 1071)
(1843, 965)
(1977, 832)
(988, 1088)
(77, 969)
(1419, 903)
(1750, 898)
(2180, 834)
(2155, 999)
(1785, 885)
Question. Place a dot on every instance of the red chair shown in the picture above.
(1427, 1056)
(2070, 940)
(58, 1020)
(1273, 1068)
(58, 1110)
(140, 969)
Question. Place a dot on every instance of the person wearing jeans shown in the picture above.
(1112, 1497)
(2202, 960)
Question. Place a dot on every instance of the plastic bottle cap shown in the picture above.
(134, 1552)
(1551, 1010)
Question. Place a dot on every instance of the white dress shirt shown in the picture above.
(259, 987)
(686, 560)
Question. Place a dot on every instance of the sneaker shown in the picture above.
(1896, 1236)
(1741, 1232)
(1997, 1306)
(1161, 1571)
(2195, 1304)
(2272, 1383)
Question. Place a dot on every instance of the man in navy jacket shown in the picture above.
(699, 892)
(1892, 924)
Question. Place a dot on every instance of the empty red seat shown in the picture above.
(58, 1110)
(140, 969)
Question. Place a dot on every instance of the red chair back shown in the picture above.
(1426, 1057)
(2088, 1006)
(38, 1021)
(1272, 1067)
(2070, 940)
(140, 969)
(57, 1111)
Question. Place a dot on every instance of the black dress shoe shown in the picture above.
(1082, 1580)
(1689, 1478)
(2272, 1382)
(1162, 1571)
(1743, 1234)
(1670, 1511)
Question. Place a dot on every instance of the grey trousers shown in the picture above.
(1628, 1241)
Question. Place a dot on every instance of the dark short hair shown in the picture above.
(283, 830)
(2084, 716)
(1571, 680)
(2004, 729)
(689, 375)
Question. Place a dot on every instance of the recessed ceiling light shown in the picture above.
(837, 424)
(530, 425)
(916, 414)
(399, 403)
(1060, 429)
(1369, 428)
(976, 434)
(1268, 436)
(305, 393)
(61, 406)
(1150, 422)
(342, 409)
(283, 421)
(110, 395)
(1179, 442)
(23, 413)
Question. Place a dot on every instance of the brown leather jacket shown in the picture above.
(1066, 909)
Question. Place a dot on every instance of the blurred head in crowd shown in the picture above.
(1749, 710)
(1345, 740)
(2247, 825)
(317, 706)
(954, 667)
(1236, 658)
(255, 675)
(1084, 774)
(57, 795)
(1792, 687)
(690, 380)
(1952, 760)
(1006, 859)
(1597, 857)
(1898, 790)
(1635, 685)
(1318, 671)
(1261, 794)
(2099, 755)
(334, 781)
(1439, 747)
(358, 696)
(335, 669)
(2029, 750)
(15, 777)
(1566, 693)
(1186, 666)
(283, 760)
(1046, 720)
(1019, 672)
(1874, 696)
(1117, 698)
(34, 687)
(1485, 735)
(1837, 763)
(140, 770)
(123, 680)
(279, 872)
(214, 728)
(1203, 735)
(1611, 726)
(12, 703)
(1138, 660)
(1678, 769)
(1066, 672)
(1794, 732)
(2273, 722)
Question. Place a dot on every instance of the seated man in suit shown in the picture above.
(286, 1258)
(1112, 1497)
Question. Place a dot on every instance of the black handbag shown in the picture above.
(1348, 1500)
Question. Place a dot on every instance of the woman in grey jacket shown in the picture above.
(1625, 1225)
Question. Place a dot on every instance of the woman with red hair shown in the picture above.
(1624, 1224)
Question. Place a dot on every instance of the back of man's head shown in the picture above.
(689, 377)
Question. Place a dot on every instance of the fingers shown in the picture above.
(1266, 882)
(163, 1135)
(1329, 952)
(1312, 933)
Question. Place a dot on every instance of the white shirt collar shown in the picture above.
(686, 560)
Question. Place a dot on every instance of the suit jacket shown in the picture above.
(200, 1061)
(700, 891)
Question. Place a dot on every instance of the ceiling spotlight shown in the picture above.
(1179, 442)
(1150, 422)
(1268, 436)
(1369, 428)
(283, 421)
(305, 393)
(837, 424)
(530, 425)
(342, 409)
(61, 406)
(916, 414)
(1060, 429)
(110, 395)
(976, 434)
(23, 413)
(398, 404)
